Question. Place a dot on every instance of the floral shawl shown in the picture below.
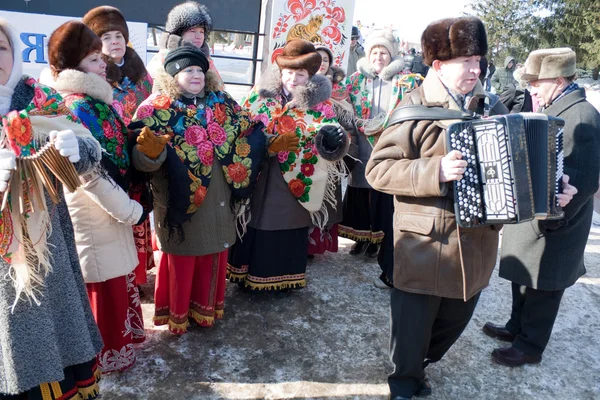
(107, 128)
(128, 96)
(216, 128)
(23, 236)
(305, 171)
(362, 99)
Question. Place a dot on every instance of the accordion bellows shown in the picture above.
(514, 172)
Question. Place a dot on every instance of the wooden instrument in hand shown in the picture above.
(35, 173)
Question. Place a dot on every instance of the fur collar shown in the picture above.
(316, 91)
(133, 68)
(170, 41)
(72, 81)
(165, 83)
(435, 93)
(395, 67)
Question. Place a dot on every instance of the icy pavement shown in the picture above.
(330, 341)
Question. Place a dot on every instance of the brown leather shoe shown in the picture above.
(513, 357)
(498, 331)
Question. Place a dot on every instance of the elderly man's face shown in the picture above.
(459, 74)
(546, 90)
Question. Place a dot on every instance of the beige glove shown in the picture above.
(285, 142)
(150, 144)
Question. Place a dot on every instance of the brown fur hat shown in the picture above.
(69, 44)
(549, 64)
(299, 54)
(453, 37)
(105, 19)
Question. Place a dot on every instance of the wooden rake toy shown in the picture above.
(33, 174)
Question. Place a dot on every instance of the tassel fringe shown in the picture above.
(32, 264)
(336, 172)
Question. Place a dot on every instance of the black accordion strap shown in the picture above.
(418, 112)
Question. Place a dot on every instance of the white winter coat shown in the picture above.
(103, 215)
(101, 211)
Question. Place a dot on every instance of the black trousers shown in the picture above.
(385, 258)
(532, 317)
(423, 330)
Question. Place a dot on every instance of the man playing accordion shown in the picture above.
(439, 269)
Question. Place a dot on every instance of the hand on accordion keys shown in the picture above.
(452, 167)
(568, 192)
(66, 144)
(7, 164)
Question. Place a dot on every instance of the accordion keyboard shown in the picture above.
(469, 204)
(485, 195)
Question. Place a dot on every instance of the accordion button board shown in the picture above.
(497, 186)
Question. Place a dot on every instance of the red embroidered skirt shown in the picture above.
(118, 312)
(189, 287)
(142, 236)
(320, 241)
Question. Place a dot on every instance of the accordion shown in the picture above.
(514, 169)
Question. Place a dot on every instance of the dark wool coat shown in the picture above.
(427, 245)
(548, 255)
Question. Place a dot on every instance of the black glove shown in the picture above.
(333, 137)
(143, 217)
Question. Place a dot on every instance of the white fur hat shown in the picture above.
(381, 38)
(549, 64)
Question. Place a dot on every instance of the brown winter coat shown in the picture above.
(427, 251)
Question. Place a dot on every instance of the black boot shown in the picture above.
(372, 250)
(358, 248)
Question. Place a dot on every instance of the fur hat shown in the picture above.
(299, 54)
(105, 19)
(355, 32)
(179, 59)
(381, 38)
(187, 15)
(453, 37)
(69, 44)
(549, 64)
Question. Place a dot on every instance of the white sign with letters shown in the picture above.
(35, 30)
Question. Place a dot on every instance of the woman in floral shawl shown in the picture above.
(319, 240)
(131, 84)
(101, 210)
(200, 183)
(297, 185)
(48, 336)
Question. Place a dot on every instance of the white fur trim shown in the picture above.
(71, 81)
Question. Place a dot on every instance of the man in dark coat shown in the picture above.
(543, 258)
(438, 271)
(356, 52)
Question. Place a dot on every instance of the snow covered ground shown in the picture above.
(330, 341)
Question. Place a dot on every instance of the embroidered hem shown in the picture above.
(180, 328)
(271, 283)
(360, 236)
(87, 389)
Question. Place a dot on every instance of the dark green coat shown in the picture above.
(548, 255)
